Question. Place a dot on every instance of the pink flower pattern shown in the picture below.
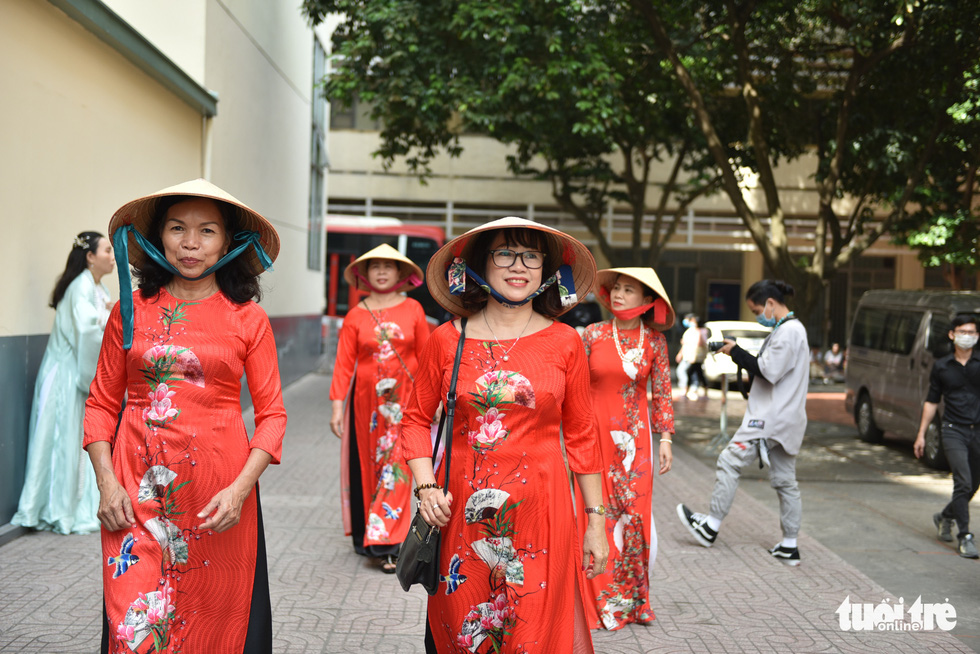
(161, 409)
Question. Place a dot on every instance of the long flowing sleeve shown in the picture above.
(264, 385)
(579, 425)
(422, 330)
(108, 387)
(662, 408)
(426, 394)
(86, 328)
(343, 367)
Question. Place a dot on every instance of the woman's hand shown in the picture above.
(337, 418)
(224, 509)
(595, 547)
(666, 455)
(434, 506)
(115, 506)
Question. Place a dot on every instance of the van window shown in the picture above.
(868, 327)
(900, 331)
(939, 343)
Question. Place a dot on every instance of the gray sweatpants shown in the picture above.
(782, 477)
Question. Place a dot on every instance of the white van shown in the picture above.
(894, 340)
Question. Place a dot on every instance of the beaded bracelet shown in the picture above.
(422, 487)
(666, 440)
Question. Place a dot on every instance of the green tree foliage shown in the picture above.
(945, 226)
(723, 90)
(867, 86)
(569, 84)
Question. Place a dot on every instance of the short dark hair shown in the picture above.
(548, 303)
(964, 319)
(762, 290)
(235, 279)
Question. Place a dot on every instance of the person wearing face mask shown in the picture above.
(377, 357)
(774, 422)
(59, 492)
(955, 378)
(628, 354)
(694, 350)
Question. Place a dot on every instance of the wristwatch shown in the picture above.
(599, 510)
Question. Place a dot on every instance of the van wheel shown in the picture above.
(933, 454)
(864, 417)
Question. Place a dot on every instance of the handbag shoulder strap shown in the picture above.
(446, 424)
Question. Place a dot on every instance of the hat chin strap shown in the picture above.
(458, 270)
(659, 308)
(120, 244)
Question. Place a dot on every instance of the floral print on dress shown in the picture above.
(147, 625)
(150, 614)
(491, 510)
(621, 595)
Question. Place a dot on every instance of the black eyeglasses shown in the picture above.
(506, 258)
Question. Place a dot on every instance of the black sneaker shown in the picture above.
(697, 524)
(968, 548)
(944, 527)
(787, 555)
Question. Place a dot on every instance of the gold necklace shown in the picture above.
(506, 354)
(619, 349)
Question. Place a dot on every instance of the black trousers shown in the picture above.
(962, 446)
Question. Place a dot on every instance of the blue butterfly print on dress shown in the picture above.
(390, 513)
(453, 579)
(126, 557)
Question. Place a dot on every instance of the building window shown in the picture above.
(318, 161)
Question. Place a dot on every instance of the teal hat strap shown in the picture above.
(120, 244)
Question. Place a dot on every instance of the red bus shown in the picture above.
(348, 237)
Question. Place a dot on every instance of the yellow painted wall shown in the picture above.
(82, 131)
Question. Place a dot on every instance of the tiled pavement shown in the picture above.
(730, 598)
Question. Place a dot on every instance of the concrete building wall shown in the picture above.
(86, 126)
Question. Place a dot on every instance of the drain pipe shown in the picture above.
(207, 142)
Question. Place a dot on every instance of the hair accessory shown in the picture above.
(457, 276)
(80, 242)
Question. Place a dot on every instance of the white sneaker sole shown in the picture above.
(694, 532)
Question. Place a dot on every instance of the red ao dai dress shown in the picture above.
(169, 586)
(621, 594)
(376, 354)
(510, 554)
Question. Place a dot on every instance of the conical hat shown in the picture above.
(140, 214)
(607, 279)
(571, 251)
(383, 251)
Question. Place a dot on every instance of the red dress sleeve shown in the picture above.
(264, 384)
(343, 366)
(108, 388)
(662, 408)
(427, 393)
(422, 330)
(579, 425)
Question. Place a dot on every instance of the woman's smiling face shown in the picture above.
(516, 281)
(382, 274)
(194, 236)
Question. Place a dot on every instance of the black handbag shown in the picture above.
(418, 556)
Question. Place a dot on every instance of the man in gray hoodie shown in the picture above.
(774, 422)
